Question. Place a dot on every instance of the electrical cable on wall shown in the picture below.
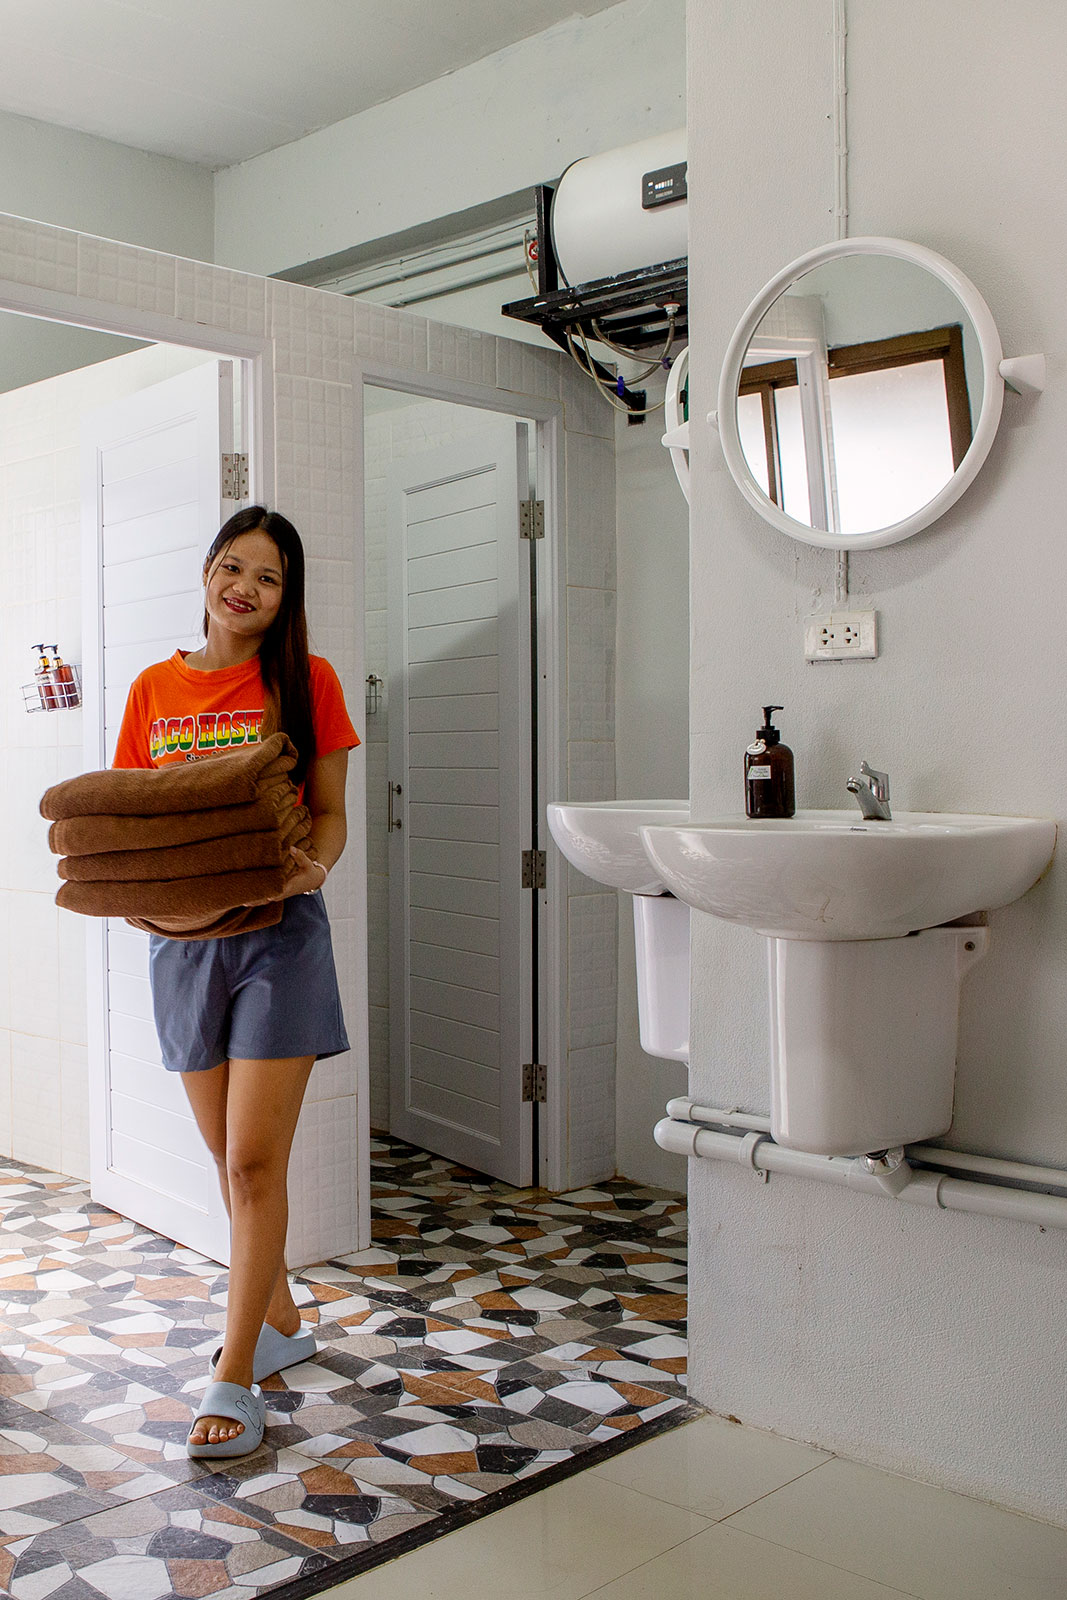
(661, 362)
(840, 207)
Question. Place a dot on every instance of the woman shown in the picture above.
(244, 1018)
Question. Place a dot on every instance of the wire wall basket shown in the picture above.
(57, 690)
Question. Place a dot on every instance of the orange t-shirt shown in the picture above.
(175, 713)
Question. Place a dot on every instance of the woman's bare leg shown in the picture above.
(252, 1106)
(206, 1093)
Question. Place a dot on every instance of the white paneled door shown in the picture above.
(152, 504)
(460, 982)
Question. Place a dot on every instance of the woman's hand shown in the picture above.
(310, 875)
(324, 797)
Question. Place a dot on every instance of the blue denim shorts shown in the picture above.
(261, 996)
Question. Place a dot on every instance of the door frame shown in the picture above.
(546, 418)
(255, 374)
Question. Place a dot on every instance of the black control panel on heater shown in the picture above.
(661, 187)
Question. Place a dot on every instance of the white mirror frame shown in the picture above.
(988, 415)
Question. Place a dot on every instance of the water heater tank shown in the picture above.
(622, 210)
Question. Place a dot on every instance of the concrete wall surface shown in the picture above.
(922, 1342)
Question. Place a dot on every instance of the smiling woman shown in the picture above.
(244, 1018)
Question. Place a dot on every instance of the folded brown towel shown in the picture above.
(92, 835)
(232, 853)
(199, 899)
(243, 919)
(227, 779)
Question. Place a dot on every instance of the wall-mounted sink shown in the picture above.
(830, 875)
(863, 1020)
(603, 839)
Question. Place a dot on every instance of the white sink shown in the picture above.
(830, 875)
(603, 839)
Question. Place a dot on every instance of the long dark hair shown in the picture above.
(283, 653)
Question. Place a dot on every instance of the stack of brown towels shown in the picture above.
(181, 850)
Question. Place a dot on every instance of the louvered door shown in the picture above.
(460, 967)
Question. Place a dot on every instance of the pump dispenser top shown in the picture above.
(769, 733)
(769, 782)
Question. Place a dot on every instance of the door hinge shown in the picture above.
(531, 519)
(534, 869)
(234, 476)
(534, 1083)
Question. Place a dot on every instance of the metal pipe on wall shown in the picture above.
(682, 1109)
(757, 1151)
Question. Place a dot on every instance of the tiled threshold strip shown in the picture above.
(490, 1342)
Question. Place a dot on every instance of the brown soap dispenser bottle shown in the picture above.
(769, 785)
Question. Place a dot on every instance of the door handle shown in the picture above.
(394, 792)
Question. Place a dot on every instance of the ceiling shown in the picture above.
(218, 81)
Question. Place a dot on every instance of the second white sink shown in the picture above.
(832, 875)
(602, 838)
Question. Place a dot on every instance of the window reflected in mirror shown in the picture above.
(854, 405)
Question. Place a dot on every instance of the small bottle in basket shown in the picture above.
(44, 681)
(65, 688)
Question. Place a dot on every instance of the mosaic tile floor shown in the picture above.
(487, 1338)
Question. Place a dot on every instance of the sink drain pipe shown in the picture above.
(744, 1138)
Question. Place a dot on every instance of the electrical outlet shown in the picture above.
(841, 636)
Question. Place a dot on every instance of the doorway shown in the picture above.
(53, 379)
(455, 780)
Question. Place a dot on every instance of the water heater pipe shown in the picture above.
(683, 1109)
(758, 1151)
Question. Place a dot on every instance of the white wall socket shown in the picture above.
(841, 636)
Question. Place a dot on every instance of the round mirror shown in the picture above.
(860, 393)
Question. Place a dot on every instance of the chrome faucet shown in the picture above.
(871, 789)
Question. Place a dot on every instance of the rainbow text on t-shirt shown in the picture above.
(209, 730)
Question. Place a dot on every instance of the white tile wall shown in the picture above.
(5, 1088)
(591, 771)
(591, 664)
(592, 930)
(33, 253)
(591, 1129)
(141, 279)
(233, 301)
(322, 1181)
(590, 536)
(73, 1126)
(33, 1004)
(587, 410)
(36, 1098)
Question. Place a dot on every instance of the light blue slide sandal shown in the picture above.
(275, 1351)
(238, 1404)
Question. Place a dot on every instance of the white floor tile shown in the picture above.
(912, 1536)
(711, 1466)
(721, 1565)
(557, 1545)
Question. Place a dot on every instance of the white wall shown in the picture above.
(44, 1094)
(75, 180)
(652, 746)
(923, 1342)
(510, 121)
